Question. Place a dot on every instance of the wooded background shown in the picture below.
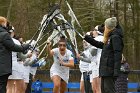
(26, 16)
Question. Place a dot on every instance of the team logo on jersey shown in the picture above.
(65, 60)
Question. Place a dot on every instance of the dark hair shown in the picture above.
(8, 24)
(63, 39)
(9, 27)
(101, 28)
(17, 37)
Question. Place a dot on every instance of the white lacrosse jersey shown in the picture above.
(56, 68)
(84, 66)
(93, 60)
(33, 69)
(15, 64)
(17, 71)
(94, 67)
(99, 51)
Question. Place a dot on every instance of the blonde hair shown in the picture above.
(2, 20)
(106, 34)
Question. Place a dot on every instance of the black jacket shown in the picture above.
(6, 47)
(110, 61)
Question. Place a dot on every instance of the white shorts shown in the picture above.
(26, 74)
(16, 75)
(95, 74)
(17, 71)
(65, 78)
(26, 78)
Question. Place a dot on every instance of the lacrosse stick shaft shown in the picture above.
(42, 22)
(75, 30)
(45, 22)
(46, 44)
(43, 37)
(42, 44)
(74, 15)
(38, 38)
(41, 33)
(33, 36)
(42, 50)
(61, 17)
(62, 33)
(72, 12)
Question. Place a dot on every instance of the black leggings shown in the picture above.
(108, 84)
(87, 84)
(28, 89)
(3, 83)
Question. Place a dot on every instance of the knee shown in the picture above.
(56, 85)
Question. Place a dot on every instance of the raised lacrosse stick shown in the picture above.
(45, 22)
(61, 17)
(74, 15)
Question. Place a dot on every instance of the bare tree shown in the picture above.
(9, 9)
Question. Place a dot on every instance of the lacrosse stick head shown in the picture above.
(32, 43)
(52, 9)
(47, 19)
(40, 63)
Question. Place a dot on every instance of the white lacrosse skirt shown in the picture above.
(17, 70)
(17, 67)
(56, 68)
(95, 74)
(26, 74)
(96, 61)
(16, 75)
(93, 68)
(33, 70)
(84, 66)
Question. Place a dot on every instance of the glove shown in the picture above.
(25, 48)
(25, 52)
